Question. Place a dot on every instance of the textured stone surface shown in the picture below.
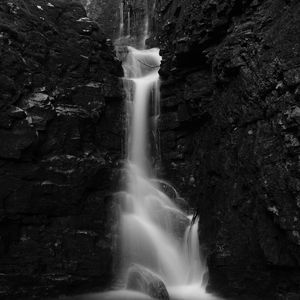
(61, 139)
(143, 280)
(230, 135)
(109, 13)
(106, 13)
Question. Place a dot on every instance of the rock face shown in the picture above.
(106, 13)
(143, 280)
(61, 139)
(230, 135)
(122, 18)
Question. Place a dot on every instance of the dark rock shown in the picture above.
(230, 135)
(292, 77)
(17, 139)
(106, 13)
(145, 281)
(60, 94)
(16, 113)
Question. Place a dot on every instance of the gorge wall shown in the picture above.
(61, 132)
(230, 135)
(229, 131)
(107, 13)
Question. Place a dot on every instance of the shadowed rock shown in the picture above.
(60, 140)
(229, 128)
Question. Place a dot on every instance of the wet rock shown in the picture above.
(143, 280)
(230, 135)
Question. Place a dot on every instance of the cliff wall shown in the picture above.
(61, 137)
(230, 135)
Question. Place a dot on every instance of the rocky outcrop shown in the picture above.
(230, 135)
(61, 139)
(106, 13)
(126, 20)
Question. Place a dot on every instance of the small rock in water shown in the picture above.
(144, 280)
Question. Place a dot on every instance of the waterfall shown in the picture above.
(155, 233)
(121, 27)
(128, 23)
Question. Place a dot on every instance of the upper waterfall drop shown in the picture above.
(142, 85)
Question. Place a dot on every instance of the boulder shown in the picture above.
(144, 280)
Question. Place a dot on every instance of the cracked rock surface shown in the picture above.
(61, 123)
(230, 135)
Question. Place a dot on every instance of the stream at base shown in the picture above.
(189, 292)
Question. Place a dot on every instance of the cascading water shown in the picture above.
(155, 233)
(121, 27)
(150, 237)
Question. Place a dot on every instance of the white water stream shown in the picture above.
(153, 227)
(155, 233)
